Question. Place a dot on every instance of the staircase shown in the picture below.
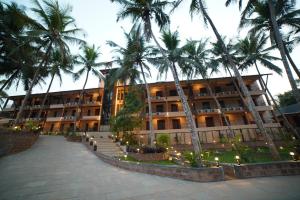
(105, 145)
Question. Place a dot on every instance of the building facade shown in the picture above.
(168, 114)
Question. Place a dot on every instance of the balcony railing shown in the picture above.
(210, 110)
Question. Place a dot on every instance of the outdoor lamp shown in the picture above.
(238, 160)
(178, 154)
(127, 142)
(125, 156)
(217, 160)
(201, 155)
(95, 146)
(91, 141)
(293, 156)
(280, 147)
(191, 153)
(138, 150)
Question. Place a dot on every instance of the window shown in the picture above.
(240, 103)
(206, 105)
(55, 114)
(91, 98)
(174, 108)
(173, 93)
(218, 89)
(52, 127)
(245, 119)
(99, 98)
(160, 108)
(161, 124)
(203, 91)
(62, 127)
(95, 126)
(68, 100)
(73, 112)
(222, 104)
(159, 93)
(209, 121)
(147, 125)
(176, 124)
(97, 112)
(89, 113)
(86, 128)
(77, 100)
(224, 122)
(147, 109)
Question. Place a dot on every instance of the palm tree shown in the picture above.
(271, 16)
(199, 62)
(59, 64)
(145, 11)
(136, 54)
(252, 50)
(198, 6)
(53, 32)
(89, 65)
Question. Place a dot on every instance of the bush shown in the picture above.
(191, 158)
(163, 139)
(128, 137)
(149, 149)
(31, 126)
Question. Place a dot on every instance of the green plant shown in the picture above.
(31, 126)
(163, 139)
(246, 153)
(190, 157)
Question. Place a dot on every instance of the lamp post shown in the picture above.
(293, 156)
(238, 160)
(95, 146)
(217, 160)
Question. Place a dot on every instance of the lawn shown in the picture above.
(262, 154)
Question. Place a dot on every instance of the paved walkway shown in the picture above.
(56, 169)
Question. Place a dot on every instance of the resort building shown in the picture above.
(168, 115)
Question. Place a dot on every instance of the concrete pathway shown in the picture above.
(56, 169)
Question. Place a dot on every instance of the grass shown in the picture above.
(262, 154)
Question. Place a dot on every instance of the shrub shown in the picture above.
(149, 149)
(163, 139)
(191, 158)
(31, 126)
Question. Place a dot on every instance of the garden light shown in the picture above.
(293, 156)
(201, 155)
(127, 142)
(191, 153)
(95, 143)
(238, 160)
(217, 160)
(125, 156)
(178, 154)
(280, 147)
(138, 150)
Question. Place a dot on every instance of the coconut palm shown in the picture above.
(52, 29)
(146, 11)
(59, 64)
(200, 62)
(89, 65)
(252, 50)
(136, 55)
(271, 16)
(198, 6)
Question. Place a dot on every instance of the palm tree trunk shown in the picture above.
(186, 108)
(45, 97)
(295, 68)
(249, 102)
(220, 108)
(280, 46)
(286, 122)
(152, 136)
(80, 100)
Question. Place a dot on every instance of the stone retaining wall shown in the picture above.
(149, 156)
(14, 142)
(191, 174)
(267, 169)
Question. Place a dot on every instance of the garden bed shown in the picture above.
(149, 156)
(13, 142)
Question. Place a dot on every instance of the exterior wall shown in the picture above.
(61, 107)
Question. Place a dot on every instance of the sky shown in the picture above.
(98, 20)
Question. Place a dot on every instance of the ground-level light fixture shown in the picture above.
(280, 147)
(238, 159)
(293, 156)
(127, 142)
(191, 153)
(138, 150)
(217, 160)
(125, 156)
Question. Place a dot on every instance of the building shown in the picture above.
(168, 116)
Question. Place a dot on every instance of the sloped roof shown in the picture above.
(291, 109)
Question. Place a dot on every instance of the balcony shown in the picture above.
(208, 111)
(56, 105)
(157, 98)
(167, 114)
(233, 109)
(227, 93)
(71, 104)
(94, 117)
(92, 103)
(53, 119)
(68, 118)
(9, 109)
(263, 108)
